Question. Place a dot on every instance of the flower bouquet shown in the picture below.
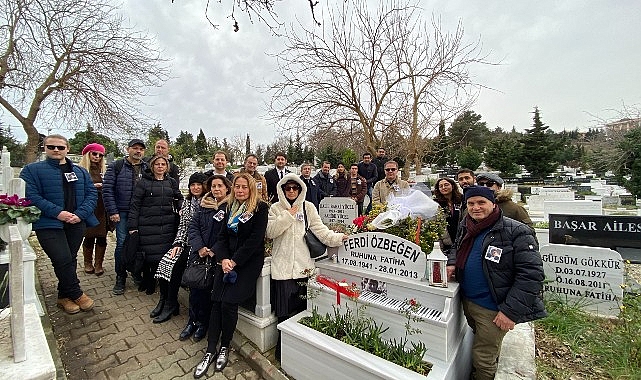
(13, 207)
(414, 217)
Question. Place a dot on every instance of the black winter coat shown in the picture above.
(204, 228)
(247, 249)
(516, 280)
(153, 211)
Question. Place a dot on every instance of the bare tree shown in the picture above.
(74, 62)
(382, 70)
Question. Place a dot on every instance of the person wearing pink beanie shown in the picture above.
(93, 159)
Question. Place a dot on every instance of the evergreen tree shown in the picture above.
(630, 171)
(501, 153)
(539, 151)
(442, 150)
(156, 133)
(17, 150)
(469, 157)
(468, 130)
(247, 146)
(81, 139)
(201, 143)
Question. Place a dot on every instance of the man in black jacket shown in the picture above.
(325, 182)
(272, 176)
(368, 170)
(498, 265)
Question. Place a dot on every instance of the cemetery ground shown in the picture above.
(571, 344)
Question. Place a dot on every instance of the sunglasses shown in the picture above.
(291, 188)
(486, 184)
(54, 147)
(390, 169)
(97, 154)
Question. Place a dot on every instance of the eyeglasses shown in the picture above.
(291, 188)
(486, 184)
(390, 169)
(97, 154)
(54, 147)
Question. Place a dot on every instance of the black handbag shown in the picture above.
(315, 246)
(199, 273)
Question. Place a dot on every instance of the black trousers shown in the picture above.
(224, 317)
(61, 245)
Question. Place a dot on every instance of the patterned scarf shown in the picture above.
(473, 229)
(237, 210)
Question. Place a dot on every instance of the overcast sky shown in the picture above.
(572, 59)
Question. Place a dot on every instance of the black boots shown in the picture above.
(158, 309)
(119, 288)
(169, 309)
(187, 331)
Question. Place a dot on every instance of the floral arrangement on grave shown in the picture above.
(13, 207)
(412, 216)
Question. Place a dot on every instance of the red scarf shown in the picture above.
(473, 229)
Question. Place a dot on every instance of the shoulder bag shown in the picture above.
(316, 247)
(199, 273)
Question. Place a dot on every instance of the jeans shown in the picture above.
(121, 233)
(61, 245)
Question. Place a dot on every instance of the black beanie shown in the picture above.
(197, 177)
(480, 191)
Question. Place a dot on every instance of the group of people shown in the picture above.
(493, 254)
(226, 217)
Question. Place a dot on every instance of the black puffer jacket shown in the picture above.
(517, 279)
(152, 212)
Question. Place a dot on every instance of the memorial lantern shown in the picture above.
(437, 267)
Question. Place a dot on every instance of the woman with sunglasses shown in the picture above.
(448, 196)
(240, 254)
(290, 255)
(93, 159)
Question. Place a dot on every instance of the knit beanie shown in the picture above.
(93, 147)
(197, 177)
(480, 191)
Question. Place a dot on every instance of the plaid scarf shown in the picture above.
(473, 229)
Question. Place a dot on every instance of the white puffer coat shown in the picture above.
(290, 256)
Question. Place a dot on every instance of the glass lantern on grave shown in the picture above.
(437, 267)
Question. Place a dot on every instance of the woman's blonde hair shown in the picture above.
(251, 204)
(85, 162)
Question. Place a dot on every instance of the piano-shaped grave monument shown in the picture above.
(388, 271)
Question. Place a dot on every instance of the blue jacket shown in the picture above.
(44, 189)
(117, 189)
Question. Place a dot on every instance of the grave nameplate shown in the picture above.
(338, 210)
(587, 276)
(384, 253)
(609, 200)
(612, 232)
(584, 189)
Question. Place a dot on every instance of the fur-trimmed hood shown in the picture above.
(504, 195)
(282, 199)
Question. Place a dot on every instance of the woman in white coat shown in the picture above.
(290, 255)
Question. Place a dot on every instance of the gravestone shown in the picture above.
(338, 210)
(610, 201)
(614, 232)
(588, 277)
(572, 207)
(627, 200)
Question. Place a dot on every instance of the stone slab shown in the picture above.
(39, 363)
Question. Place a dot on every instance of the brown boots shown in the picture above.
(87, 253)
(90, 265)
(100, 257)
